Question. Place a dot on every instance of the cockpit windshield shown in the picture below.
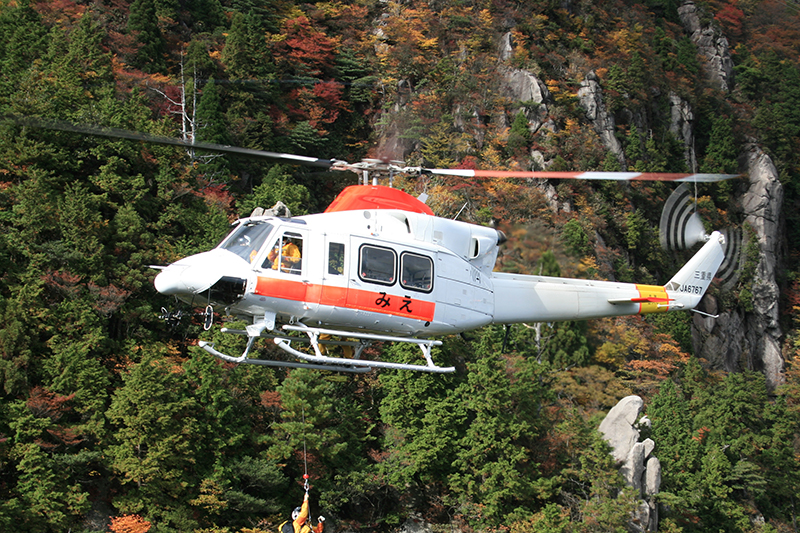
(247, 239)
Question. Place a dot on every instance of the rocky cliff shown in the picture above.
(748, 336)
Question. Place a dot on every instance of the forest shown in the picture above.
(111, 420)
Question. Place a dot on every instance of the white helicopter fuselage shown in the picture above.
(403, 273)
(379, 266)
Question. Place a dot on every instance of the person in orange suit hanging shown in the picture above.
(299, 523)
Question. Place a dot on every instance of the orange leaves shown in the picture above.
(129, 523)
(64, 12)
(633, 345)
(627, 39)
(410, 44)
(701, 434)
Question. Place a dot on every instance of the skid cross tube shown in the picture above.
(314, 333)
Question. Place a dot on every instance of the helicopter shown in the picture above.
(379, 266)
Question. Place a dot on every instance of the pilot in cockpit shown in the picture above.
(289, 257)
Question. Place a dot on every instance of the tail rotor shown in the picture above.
(681, 227)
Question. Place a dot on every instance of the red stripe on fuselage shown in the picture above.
(376, 301)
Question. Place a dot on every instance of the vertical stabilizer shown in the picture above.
(688, 286)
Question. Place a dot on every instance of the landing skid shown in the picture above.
(209, 347)
(320, 361)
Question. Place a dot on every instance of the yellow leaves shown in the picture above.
(570, 125)
(443, 201)
(588, 268)
(612, 354)
(627, 39)
(209, 498)
(485, 18)
(539, 22)
(627, 339)
(552, 37)
(492, 157)
(431, 43)
(592, 387)
(331, 9)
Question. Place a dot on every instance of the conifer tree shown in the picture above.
(155, 442)
(143, 25)
(496, 472)
(24, 39)
(721, 152)
(424, 417)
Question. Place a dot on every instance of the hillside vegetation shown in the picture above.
(112, 421)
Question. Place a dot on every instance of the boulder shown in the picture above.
(640, 469)
(526, 92)
(633, 468)
(618, 426)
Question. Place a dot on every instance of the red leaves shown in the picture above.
(47, 404)
(309, 50)
(320, 104)
(731, 18)
(65, 285)
(44, 403)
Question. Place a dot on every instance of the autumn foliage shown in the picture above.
(107, 409)
(129, 524)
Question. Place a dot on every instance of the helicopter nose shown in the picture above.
(179, 279)
(197, 273)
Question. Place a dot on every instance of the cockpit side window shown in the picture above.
(335, 258)
(247, 239)
(286, 254)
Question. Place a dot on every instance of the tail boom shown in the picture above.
(521, 298)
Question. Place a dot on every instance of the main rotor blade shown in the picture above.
(119, 133)
(614, 176)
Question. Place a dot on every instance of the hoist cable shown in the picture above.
(305, 455)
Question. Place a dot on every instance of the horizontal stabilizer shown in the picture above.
(649, 299)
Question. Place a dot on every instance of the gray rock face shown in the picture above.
(740, 339)
(681, 125)
(278, 210)
(633, 467)
(652, 476)
(590, 96)
(711, 45)
(522, 87)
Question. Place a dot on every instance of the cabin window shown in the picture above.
(286, 254)
(246, 240)
(416, 272)
(336, 258)
(377, 264)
